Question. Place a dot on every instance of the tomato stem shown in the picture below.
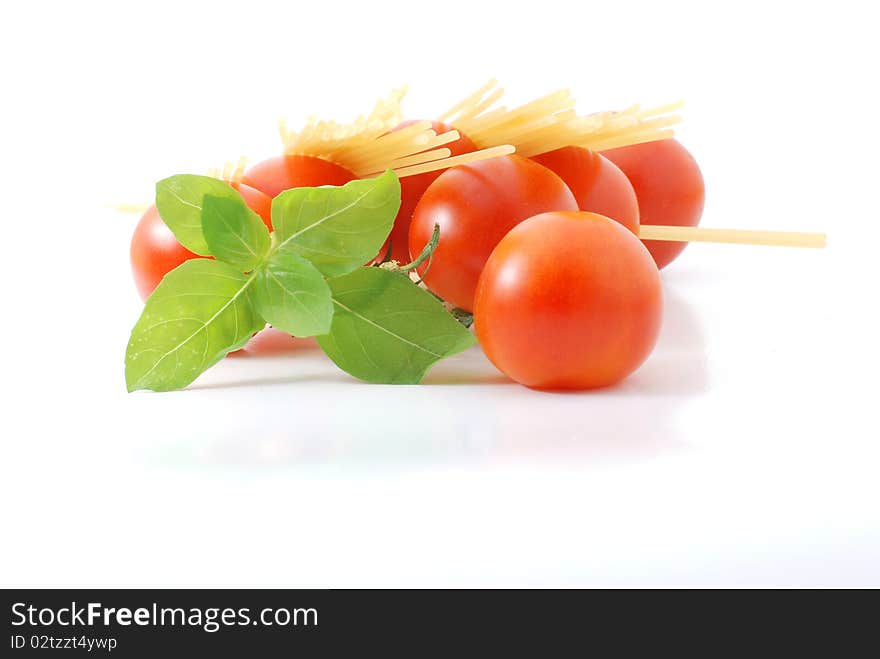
(466, 318)
(426, 253)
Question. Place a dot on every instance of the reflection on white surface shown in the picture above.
(745, 452)
(465, 410)
(742, 453)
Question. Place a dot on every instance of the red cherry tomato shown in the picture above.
(411, 190)
(275, 175)
(597, 183)
(568, 301)
(669, 187)
(155, 251)
(272, 341)
(475, 206)
(258, 202)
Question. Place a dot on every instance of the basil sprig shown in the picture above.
(307, 278)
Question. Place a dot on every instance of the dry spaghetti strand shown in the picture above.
(737, 236)
(368, 144)
(470, 105)
(419, 158)
(129, 208)
(230, 172)
(551, 122)
(604, 130)
(510, 126)
(445, 163)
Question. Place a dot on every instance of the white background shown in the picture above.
(745, 452)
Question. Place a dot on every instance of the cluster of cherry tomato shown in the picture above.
(543, 251)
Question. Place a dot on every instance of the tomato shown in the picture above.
(155, 251)
(669, 187)
(476, 205)
(568, 301)
(411, 190)
(272, 341)
(597, 183)
(275, 175)
(258, 202)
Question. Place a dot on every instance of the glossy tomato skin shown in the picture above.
(598, 185)
(154, 249)
(668, 185)
(272, 341)
(258, 202)
(275, 175)
(154, 252)
(569, 301)
(476, 205)
(411, 190)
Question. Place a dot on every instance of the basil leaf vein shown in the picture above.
(293, 296)
(201, 311)
(234, 233)
(337, 229)
(386, 329)
(179, 202)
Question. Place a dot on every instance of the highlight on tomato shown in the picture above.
(598, 185)
(669, 186)
(475, 205)
(568, 300)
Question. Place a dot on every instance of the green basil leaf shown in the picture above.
(234, 233)
(201, 311)
(388, 330)
(338, 229)
(179, 201)
(291, 294)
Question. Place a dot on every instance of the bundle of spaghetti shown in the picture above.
(487, 127)
(474, 104)
(370, 144)
(231, 172)
(551, 122)
(601, 130)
